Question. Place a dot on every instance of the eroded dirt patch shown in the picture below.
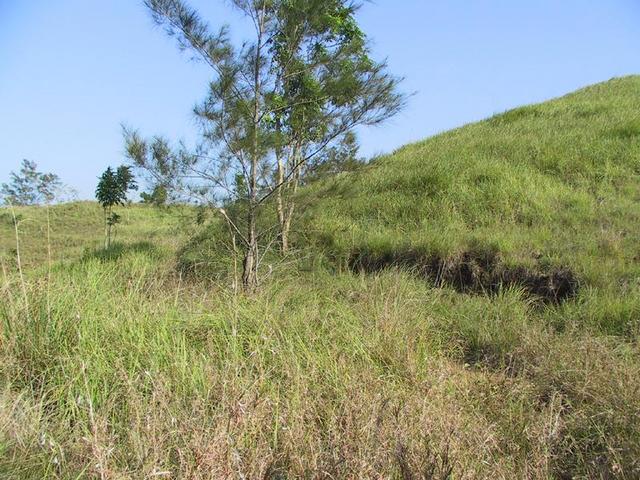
(481, 272)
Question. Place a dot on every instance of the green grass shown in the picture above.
(115, 365)
(556, 183)
(66, 232)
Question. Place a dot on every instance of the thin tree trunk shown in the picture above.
(284, 245)
(284, 235)
(250, 264)
(286, 223)
(289, 209)
(235, 263)
(107, 229)
(286, 226)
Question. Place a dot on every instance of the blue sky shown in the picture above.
(71, 71)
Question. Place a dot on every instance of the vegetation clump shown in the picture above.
(30, 187)
(111, 191)
(277, 106)
(158, 196)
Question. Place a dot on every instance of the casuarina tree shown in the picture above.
(158, 196)
(277, 101)
(30, 187)
(111, 191)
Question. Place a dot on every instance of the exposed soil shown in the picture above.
(473, 272)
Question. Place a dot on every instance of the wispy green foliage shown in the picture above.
(30, 187)
(276, 102)
(157, 197)
(339, 158)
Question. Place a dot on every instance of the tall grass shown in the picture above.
(317, 376)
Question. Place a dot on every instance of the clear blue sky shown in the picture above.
(72, 70)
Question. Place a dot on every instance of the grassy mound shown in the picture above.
(546, 187)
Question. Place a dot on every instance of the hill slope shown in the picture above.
(69, 231)
(542, 188)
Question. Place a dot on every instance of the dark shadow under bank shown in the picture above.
(479, 272)
(118, 250)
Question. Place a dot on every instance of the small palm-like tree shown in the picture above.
(111, 191)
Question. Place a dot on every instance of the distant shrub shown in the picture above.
(112, 190)
(31, 187)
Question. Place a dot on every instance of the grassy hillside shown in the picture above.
(115, 366)
(558, 182)
(66, 232)
(542, 188)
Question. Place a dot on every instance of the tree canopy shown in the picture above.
(276, 103)
(112, 190)
(30, 187)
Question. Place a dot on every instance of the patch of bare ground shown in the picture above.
(479, 272)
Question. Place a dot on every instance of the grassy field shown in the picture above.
(65, 233)
(416, 344)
